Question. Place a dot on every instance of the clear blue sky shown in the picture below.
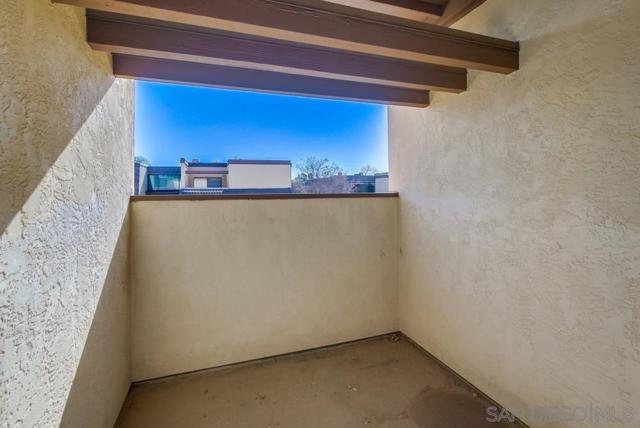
(174, 121)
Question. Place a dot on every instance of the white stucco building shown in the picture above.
(234, 176)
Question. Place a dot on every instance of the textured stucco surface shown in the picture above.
(217, 282)
(519, 213)
(66, 161)
(104, 373)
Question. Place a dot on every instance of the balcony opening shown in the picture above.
(194, 140)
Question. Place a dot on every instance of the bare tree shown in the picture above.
(320, 176)
(368, 170)
(312, 168)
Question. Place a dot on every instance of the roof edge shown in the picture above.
(258, 162)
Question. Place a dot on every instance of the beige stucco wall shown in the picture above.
(66, 163)
(519, 214)
(255, 176)
(104, 372)
(217, 282)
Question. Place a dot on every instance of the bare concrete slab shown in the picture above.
(383, 382)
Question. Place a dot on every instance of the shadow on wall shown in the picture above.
(43, 103)
(54, 257)
(66, 162)
(104, 373)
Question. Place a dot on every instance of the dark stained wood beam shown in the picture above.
(121, 34)
(328, 25)
(167, 70)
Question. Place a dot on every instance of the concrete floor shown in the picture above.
(384, 382)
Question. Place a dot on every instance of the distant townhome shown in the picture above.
(195, 177)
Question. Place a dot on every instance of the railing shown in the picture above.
(230, 278)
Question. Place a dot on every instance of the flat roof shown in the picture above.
(237, 162)
(259, 162)
(163, 170)
(208, 164)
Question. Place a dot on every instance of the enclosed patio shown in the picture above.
(495, 284)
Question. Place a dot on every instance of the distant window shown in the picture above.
(163, 182)
(214, 182)
(200, 183)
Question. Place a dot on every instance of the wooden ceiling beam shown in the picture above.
(120, 34)
(167, 70)
(328, 25)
